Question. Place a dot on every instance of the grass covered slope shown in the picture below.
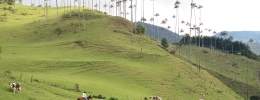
(99, 59)
(220, 64)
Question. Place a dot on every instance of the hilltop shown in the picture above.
(101, 59)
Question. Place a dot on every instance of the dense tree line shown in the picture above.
(221, 44)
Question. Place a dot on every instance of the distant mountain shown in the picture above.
(244, 36)
(165, 33)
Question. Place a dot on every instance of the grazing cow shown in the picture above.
(16, 86)
(155, 98)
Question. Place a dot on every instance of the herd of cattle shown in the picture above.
(16, 87)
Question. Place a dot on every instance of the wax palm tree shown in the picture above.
(118, 4)
(111, 6)
(58, 14)
(99, 6)
(152, 20)
(131, 6)
(124, 8)
(231, 39)
(175, 26)
(223, 33)
(84, 15)
(163, 23)
(157, 14)
(105, 6)
(46, 11)
(200, 7)
(177, 3)
(96, 5)
(192, 6)
(215, 47)
(79, 13)
(74, 3)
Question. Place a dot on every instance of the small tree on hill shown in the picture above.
(164, 43)
(140, 29)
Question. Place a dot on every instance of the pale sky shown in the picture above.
(219, 15)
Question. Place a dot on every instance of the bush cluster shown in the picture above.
(99, 97)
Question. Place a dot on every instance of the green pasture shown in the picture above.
(100, 59)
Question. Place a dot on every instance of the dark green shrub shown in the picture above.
(164, 43)
(140, 29)
(112, 98)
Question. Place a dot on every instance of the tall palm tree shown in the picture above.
(99, 6)
(157, 14)
(192, 6)
(74, 3)
(14, 7)
(215, 47)
(79, 13)
(58, 14)
(124, 8)
(175, 26)
(177, 3)
(152, 20)
(131, 6)
(70, 7)
(105, 6)
(231, 39)
(163, 22)
(111, 6)
(84, 15)
(223, 33)
(46, 11)
(96, 5)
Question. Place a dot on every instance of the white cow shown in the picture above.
(16, 86)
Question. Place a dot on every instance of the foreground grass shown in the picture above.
(99, 59)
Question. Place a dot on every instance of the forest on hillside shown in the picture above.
(221, 44)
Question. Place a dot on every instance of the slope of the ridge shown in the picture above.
(102, 59)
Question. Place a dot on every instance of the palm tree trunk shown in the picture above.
(58, 14)
(79, 13)
(131, 22)
(84, 15)
(135, 13)
(190, 33)
(70, 8)
(14, 7)
(46, 11)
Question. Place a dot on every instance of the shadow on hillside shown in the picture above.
(248, 92)
(242, 89)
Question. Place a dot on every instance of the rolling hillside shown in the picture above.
(237, 72)
(100, 59)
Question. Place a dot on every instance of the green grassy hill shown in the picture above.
(99, 59)
(219, 64)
